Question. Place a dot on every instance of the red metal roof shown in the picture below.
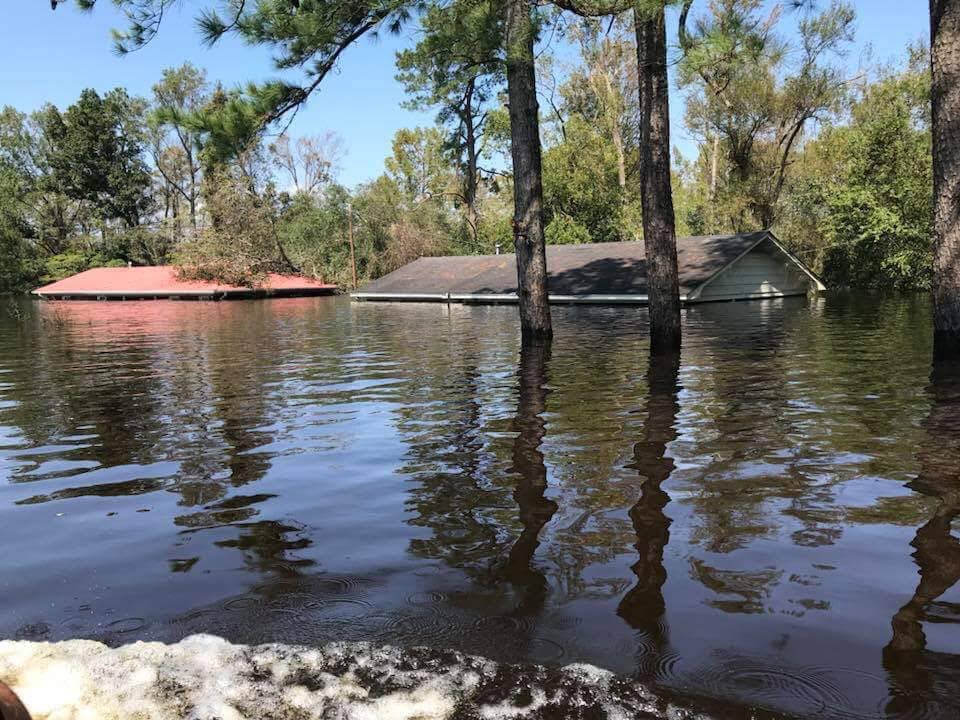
(162, 281)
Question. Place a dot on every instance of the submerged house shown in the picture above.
(720, 267)
(161, 282)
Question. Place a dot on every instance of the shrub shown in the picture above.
(564, 230)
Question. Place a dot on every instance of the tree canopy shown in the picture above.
(784, 135)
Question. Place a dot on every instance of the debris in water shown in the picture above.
(205, 677)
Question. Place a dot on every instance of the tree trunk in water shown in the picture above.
(528, 238)
(659, 234)
(945, 57)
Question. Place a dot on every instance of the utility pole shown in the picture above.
(353, 258)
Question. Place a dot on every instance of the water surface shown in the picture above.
(768, 521)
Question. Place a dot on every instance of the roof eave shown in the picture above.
(821, 287)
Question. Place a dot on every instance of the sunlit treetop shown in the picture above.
(305, 35)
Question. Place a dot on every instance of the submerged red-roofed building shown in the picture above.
(161, 282)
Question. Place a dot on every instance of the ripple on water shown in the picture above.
(340, 585)
(507, 625)
(808, 692)
(545, 650)
(242, 603)
(657, 663)
(428, 626)
(127, 625)
(341, 607)
(427, 598)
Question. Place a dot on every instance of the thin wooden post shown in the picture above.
(353, 258)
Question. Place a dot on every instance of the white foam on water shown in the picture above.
(206, 678)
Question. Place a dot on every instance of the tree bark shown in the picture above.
(616, 132)
(714, 162)
(945, 95)
(618, 146)
(659, 233)
(528, 237)
(471, 179)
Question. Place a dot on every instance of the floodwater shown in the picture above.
(768, 522)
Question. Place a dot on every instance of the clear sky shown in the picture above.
(51, 56)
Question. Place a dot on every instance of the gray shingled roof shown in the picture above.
(591, 269)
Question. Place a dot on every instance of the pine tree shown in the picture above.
(458, 67)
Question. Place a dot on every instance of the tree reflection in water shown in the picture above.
(643, 606)
(913, 668)
(535, 509)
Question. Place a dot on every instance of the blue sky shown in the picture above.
(50, 57)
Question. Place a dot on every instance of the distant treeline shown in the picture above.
(837, 165)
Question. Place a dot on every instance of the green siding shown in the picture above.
(764, 271)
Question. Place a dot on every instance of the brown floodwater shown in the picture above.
(771, 521)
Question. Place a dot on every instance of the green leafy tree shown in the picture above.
(178, 97)
(583, 198)
(96, 155)
(593, 153)
(420, 164)
(34, 201)
(391, 231)
(866, 186)
(603, 88)
(15, 181)
(458, 68)
(753, 97)
(313, 230)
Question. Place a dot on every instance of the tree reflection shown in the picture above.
(535, 509)
(456, 495)
(742, 402)
(911, 665)
(643, 606)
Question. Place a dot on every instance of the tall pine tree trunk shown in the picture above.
(945, 55)
(471, 178)
(659, 234)
(528, 238)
